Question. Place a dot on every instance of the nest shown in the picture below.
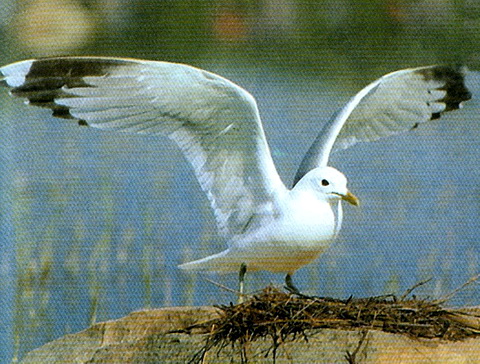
(281, 317)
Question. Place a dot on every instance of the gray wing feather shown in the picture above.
(213, 121)
(395, 103)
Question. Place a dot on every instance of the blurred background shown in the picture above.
(93, 224)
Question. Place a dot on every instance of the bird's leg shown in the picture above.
(290, 286)
(241, 282)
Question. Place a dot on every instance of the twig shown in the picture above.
(414, 287)
(455, 291)
(352, 357)
(222, 286)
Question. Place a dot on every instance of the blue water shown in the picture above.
(93, 224)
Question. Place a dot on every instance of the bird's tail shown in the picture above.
(221, 262)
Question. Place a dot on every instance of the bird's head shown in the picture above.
(330, 184)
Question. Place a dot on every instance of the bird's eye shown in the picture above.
(325, 182)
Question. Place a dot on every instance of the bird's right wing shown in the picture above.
(395, 103)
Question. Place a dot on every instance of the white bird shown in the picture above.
(217, 126)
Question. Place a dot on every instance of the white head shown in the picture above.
(330, 183)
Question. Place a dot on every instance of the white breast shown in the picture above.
(308, 222)
(286, 241)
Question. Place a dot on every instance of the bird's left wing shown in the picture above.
(395, 103)
(213, 121)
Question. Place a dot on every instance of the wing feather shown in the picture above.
(215, 122)
(395, 103)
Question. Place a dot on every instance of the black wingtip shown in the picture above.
(46, 78)
(454, 85)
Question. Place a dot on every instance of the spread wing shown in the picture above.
(395, 103)
(214, 122)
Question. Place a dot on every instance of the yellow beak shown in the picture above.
(350, 197)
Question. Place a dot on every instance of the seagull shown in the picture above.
(217, 125)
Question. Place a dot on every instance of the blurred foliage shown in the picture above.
(319, 36)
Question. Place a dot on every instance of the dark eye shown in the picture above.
(325, 182)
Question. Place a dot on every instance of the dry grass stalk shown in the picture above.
(281, 317)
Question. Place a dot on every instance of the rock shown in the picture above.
(140, 337)
(146, 337)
